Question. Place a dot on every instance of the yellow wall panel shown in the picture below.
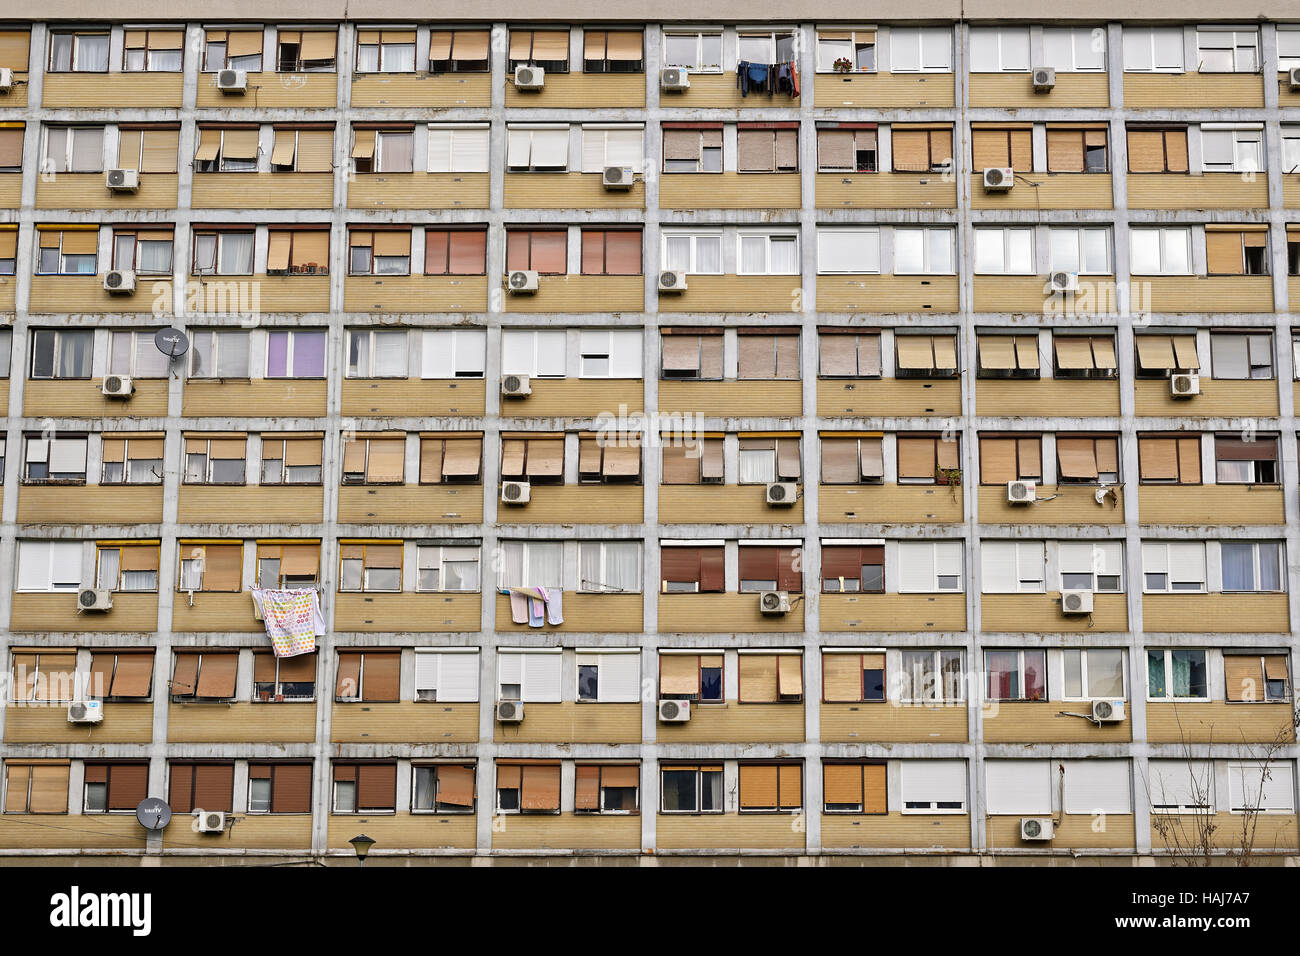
(735, 293)
(1273, 832)
(578, 504)
(87, 191)
(882, 293)
(1210, 504)
(576, 398)
(411, 612)
(112, 90)
(583, 91)
(1073, 505)
(89, 504)
(263, 191)
(112, 831)
(583, 613)
(58, 612)
(272, 91)
(413, 397)
(723, 504)
(253, 831)
(216, 612)
(1203, 191)
(404, 829)
(1016, 91)
(569, 191)
(893, 612)
(1218, 398)
(885, 191)
(579, 293)
(1076, 831)
(574, 722)
(123, 723)
(717, 91)
(729, 190)
(286, 722)
(1012, 397)
(404, 722)
(1046, 191)
(1218, 721)
(415, 294)
(736, 399)
(302, 398)
(1215, 613)
(1020, 613)
(890, 397)
(566, 831)
(1206, 293)
(83, 399)
(735, 723)
(893, 722)
(410, 504)
(418, 190)
(883, 90)
(249, 504)
(725, 613)
(1016, 722)
(422, 90)
(716, 831)
(1145, 90)
(889, 504)
(894, 830)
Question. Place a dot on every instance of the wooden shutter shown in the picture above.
(998, 461)
(214, 786)
(278, 254)
(587, 788)
(316, 150)
(134, 675)
(185, 674)
(758, 674)
(874, 788)
(49, 788)
(1065, 150)
(1077, 457)
(1176, 150)
(1223, 253)
(911, 150)
(1146, 151)
(1158, 458)
(789, 675)
(842, 783)
(348, 683)
(13, 49)
(386, 460)
(311, 246)
(989, 147)
(158, 150)
(790, 777)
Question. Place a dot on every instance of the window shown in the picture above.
(211, 567)
(999, 49)
(447, 568)
(1241, 355)
(853, 569)
(927, 676)
(695, 52)
(539, 460)
(73, 149)
(925, 356)
(145, 253)
(698, 254)
(127, 567)
(537, 354)
(538, 149)
(1076, 150)
(1181, 786)
(453, 353)
(609, 458)
(764, 357)
(609, 788)
(609, 677)
(153, 51)
(460, 148)
(291, 461)
(448, 675)
(378, 353)
(1004, 251)
(1013, 567)
(1164, 251)
(206, 786)
(121, 675)
(115, 787)
(920, 50)
(770, 568)
(298, 252)
(1087, 460)
(764, 460)
(1010, 458)
(1082, 251)
(219, 354)
(206, 675)
(771, 788)
(852, 461)
(857, 787)
(609, 353)
(223, 253)
(303, 150)
(370, 567)
(78, 53)
(1091, 565)
(1290, 152)
(365, 787)
(368, 676)
(385, 252)
(279, 787)
(604, 146)
(226, 150)
(548, 49)
(1157, 150)
(761, 149)
(611, 252)
(540, 250)
(1093, 672)
(528, 787)
(131, 461)
(933, 786)
(278, 679)
(8, 248)
(295, 353)
(696, 677)
(848, 251)
(924, 251)
(846, 148)
(1245, 462)
(1288, 48)
(451, 458)
(54, 459)
(692, 148)
(1259, 786)
(386, 51)
(1008, 356)
(690, 789)
(1227, 51)
(929, 567)
(44, 677)
(853, 678)
(1016, 675)
(233, 50)
(1251, 677)
(1236, 251)
(1153, 49)
(927, 460)
(36, 787)
(1169, 566)
(766, 48)
(1177, 674)
(1075, 49)
(1232, 150)
(856, 46)
(921, 149)
(443, 788)
(1251, 566)
(1159, 355)
(691, 356)
(848, 354)
(531, 564)
(1002, 146)
(67, 252)
(690, 569)
(374, 460)
(459, 51)
(612, 51)
(1169, 459)
(383, 150)
(305, 51)
(1084, 356)
(695, 461)
(136, 354)
(529, 675)
(287, 566)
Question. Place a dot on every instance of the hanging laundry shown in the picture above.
(293, 619)
(554, 606)
(518, 607)
(528, 604)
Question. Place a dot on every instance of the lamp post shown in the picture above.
(362, 845)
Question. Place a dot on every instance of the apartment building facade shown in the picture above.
(896, 416)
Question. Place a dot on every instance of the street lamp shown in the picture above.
(362, 845)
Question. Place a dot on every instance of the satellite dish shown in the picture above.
(171, 342)
(153, 812)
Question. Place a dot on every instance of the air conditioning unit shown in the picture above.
(515, 492)
(6, 79)
(210, 821)
(94, 599)
(672, 282)
(782, 493)
(510, 711)
(617, 177)
(774, 602)
(232, 81)
(1108, 711)
(1044, 79)
(1064, 281)
(119, 281)
(515, 386)
(85, 712)
(1184, 384)
(1292, 78)
(522, 282)
(122, 180)
(117, 386)
(529, 77)
(1021, 492)
(674, 78)
(1036, 829)
(674, 711)
(998, 179)
(1076, 602)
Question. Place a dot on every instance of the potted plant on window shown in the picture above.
(843, 65)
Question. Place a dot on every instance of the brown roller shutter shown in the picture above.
(1158, 458)
(998, 461)
(512, 457)
(259, 771)
(134, 675)
(841, 677)
(545, 457)
(758, 674)
(317, 46)
(239, 144)
(550, 45)
(1146, 151)
(874, 787)
(681, 144)
(101, 674)
(839, 461)
(540, 787)
(311, 246)
(1176, 150)
(680, 564)
(620, 775)
(835, 149)
(1244, 676)
(299, 559)
(393, 242)
(842, 561)
(214, 786)
(471, 44)
(586, 794)
(997, 352)
(158, 148)
(386, 460)
(11, 146)
(128, 149)
(19, 775)
(842, 783)
(1189, 460)
(381, 676)
(291, 790)
(244, 43)
(345, 772)
(711, 569)
(787, 356)
(377, 786)
(711, 458)
(128, 785)
(1064, 150)
(790, 778)
(758, 563)
(349, 676)
(13, 49)
(180, 787)
(456, 785)
(916, 457)
(1022, 150)
(209, 145)
(789, 675)
(461, 458)
(509, 776)
(49, 788)
(872, 451)
(278, 253)
(383, 556)
(989, 147)
(467, 251)
(624, 45)
(302, 451)
(217, 675)
(185, 674)
(788, 575)
(679, 674)
(223, 567)
(787, 459)
(300, 667)
(622, 461)
(1077, 457)
(757, 357)
(911, 150)
(1223, 253)
(1226, 448)
(758, 787)
(316, 150)
(787, 149)
(263, 667)
(96, 773)
(1275, 666)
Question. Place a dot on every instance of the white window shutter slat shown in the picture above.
(542, 675)
(436, 354)
(440, 150)
(426, 671)
(625, 354)
(998, 567)
(915, 567)
(1097, 786)
(1018, 786)
(620, 678)
(469, 151)
(593, 150)
(458, 674)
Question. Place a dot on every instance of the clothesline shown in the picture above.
(769, 78)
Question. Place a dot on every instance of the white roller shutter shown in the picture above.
(550, 353)
(1018, 786)
(440, 148)
(469, 150)
(620, 678)
(1173, 783)
(1155, 557)
(458, 677)
(915, 567)
(517, 352)
(542, 675)
(437, 354)
(34, 565)
(625, 354)
(426, 671)
(1097, 786)
(519, 147)
(998, 568)
(68, 456)
(848, 250)
(948, 560)
(510, 669)
(1249, 789)
(550, 147)
(1188, 557)
(933, 782)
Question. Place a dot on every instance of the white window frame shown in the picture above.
(771, 36)
(600, 660)
(440, 656)
(1140, 37)
(622, 349)
(1081, 234)
(826, 58)
(596, 139)
(584, 587)
(1027, 553)
(550, 673)
(1166, 235)
(438, 556)
(1168, 654)
(927, 264)
(1256, 572)
(918, 35)
(699, 66)
(867, 238)
(530, 556)
(901, 679)
(377, 162)
(1288, 47)
(932, 805)
(769, 238)
(1156, 554)
(521, 129)
(467, 349)
(1084, 680)
(219, 238)
(534, 368)
(479, 161)
(372, 334)
(71, 552)
(1236, 49)
(1074, 34)
(998, 49)
(940, 569)
(1106, 552)
(64, 165)
(215, 352)
(1238, 137)
(1008, 234)
(695, 238)
(37, 449)
(290, 365)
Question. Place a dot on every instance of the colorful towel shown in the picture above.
(533, 605)
(518, 607)
(293, 620)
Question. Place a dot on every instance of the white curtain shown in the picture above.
(236, 254)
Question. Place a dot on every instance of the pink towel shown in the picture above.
(518, 607)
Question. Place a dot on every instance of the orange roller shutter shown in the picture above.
(278, 253)
(345, 772)
(1176, 150)
(550, 45)
(439, 44)
(316, 150)
(540, 789)
(1146, 151)
(468, 252)
(1064, 150)
(1022, 150)
(128, 150)
(101, 674)
(842, 678)
(456, 785)
(989, 147)
(791, 786)
(622, 461)
(300, 559)
(1223, 253)
(1077, 457)
(299, 668)
(521, 44)
(1189, 460)
(349, 675)
(244, 43)
(545, 457)
(259, 771)
(431, 460)
(998, 461)
(311, 246)
(911, 150)
(1158, 458)
(263, 667)
(8, 243)
(842, 783)
(509, 776)
(317, 46)
(217, 675)
(624, 45)
(587, 787)
(302, 451)
(874, 789)
(223, 567)
(13, 49)
(1107, 450)
(1185, 352)
(142, 558)
(96, 773)
(462, 457)
(758, 787)
(620, 775)
(158, 149)
(916, 458)
(679, 674)
(185, 674)
(81, 242)
(380, 676)
(512, 457)
(593, 44)
(471, 45)
(49, 788)
(758, 680)
(18, 777)
(209, 145)
(166, 39)
(1275, 666)
(386, 460)
(393, 243)
(789, 676)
